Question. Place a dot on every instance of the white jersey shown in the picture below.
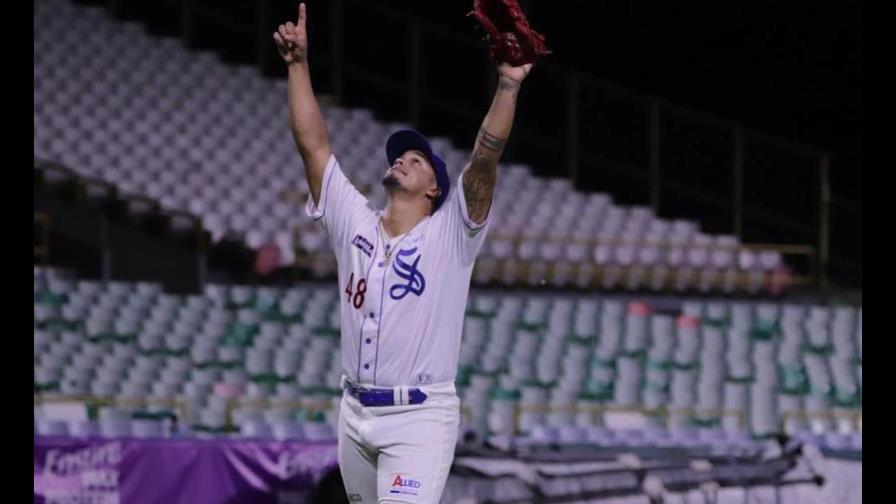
(402, 298)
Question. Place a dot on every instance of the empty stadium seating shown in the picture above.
(264, 362)
(180, 127)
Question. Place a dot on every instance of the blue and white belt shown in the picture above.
(384, 396)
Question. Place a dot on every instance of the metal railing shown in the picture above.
(316, 405)
(182, 408)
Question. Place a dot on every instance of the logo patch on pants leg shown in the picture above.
(404, 485)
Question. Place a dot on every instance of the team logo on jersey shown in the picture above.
(404, 485)
(363, 244)
(408, 272)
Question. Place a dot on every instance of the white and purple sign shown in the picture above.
(113, 471)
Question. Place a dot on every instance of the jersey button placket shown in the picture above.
(367, 351)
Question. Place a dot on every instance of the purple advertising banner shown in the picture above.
(136, 471)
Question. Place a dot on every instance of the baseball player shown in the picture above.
(404, 277)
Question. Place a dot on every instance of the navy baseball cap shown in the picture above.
(404, 140)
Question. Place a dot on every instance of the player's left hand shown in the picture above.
(514, 73)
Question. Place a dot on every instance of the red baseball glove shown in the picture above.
(509, 36)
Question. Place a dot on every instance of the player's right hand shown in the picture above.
(292, 39)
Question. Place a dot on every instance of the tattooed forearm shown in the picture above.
(479, 185)
(491, 142)
(480, 175)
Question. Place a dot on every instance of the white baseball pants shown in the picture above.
(398, 454)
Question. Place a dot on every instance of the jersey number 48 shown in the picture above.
(358, 299)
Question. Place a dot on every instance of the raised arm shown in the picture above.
(307, 123)
(480, 174)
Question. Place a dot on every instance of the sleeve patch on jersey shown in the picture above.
(363, 244)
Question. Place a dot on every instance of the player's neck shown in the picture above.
(401, 215)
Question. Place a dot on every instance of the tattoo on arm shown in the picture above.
(479, 185)
(480, 175)
(491, 142)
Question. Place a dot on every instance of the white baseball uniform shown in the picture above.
(402, 312)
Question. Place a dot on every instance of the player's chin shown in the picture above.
(391, 180)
